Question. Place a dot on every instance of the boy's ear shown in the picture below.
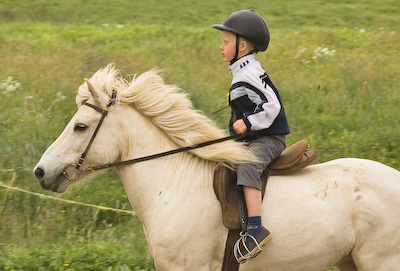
(243, 45)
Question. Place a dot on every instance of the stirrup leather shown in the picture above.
(249, 254)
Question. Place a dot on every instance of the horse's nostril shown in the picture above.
(39, 173)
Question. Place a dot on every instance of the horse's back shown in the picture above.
(329, 211)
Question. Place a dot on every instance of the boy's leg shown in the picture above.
(249, 177)
(266, 149)
(253, 201)
(249, 174)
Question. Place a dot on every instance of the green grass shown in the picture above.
(197, 13)
(334, 100)
(345, 103)
(75, 255)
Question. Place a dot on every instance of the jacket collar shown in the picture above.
(241, 63)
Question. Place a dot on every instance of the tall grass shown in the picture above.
(196, 13)
(343, 98)
(336, 69)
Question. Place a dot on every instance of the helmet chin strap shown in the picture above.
(237, 50)
(235, 58)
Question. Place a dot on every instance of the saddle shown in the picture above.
(292, 159)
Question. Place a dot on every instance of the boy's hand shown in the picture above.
(239, 126)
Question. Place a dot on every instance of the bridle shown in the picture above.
(83, 156)
(104, 113)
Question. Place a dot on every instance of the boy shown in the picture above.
(256, 113)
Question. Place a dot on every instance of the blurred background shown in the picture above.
(334, 62)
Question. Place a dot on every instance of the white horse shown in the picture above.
(343, 212)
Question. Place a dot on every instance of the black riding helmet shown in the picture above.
(249, 25)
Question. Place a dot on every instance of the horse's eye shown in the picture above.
(80, 127)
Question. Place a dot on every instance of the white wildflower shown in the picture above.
(9, 85)
(300, 52)
(27, 100)
(320, 52)
(60, 97)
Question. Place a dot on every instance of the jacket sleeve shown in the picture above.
(265, 113)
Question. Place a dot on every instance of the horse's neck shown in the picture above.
(178, 210)
(167, 181)
(173, 198)
(174, 183)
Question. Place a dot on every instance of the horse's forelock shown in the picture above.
(106, 80)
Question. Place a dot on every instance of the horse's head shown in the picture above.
(151, 117)
(82, 143)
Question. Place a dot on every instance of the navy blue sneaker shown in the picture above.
(248, 246)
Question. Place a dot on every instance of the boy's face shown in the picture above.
(228, 47)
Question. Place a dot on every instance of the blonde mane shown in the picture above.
(171, 110)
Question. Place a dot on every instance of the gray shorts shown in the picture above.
(266, 148)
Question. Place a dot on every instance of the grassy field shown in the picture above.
(335, 63)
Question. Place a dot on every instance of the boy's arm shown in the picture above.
(265, 113)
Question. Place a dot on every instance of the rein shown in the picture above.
(135, 160)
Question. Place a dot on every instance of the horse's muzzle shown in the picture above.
(59, 183)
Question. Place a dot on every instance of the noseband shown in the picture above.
(135, 160)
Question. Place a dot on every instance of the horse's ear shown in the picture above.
(99, 97)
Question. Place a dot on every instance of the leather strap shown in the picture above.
(230, 263)
(242, 210)
(103, 115)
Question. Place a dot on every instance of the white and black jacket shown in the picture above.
(254, 98)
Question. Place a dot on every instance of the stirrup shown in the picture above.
(248, 254)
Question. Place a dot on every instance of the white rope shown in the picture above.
(9, 187)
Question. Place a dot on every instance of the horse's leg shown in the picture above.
(347, 265)
(378, 249)
(384, 260)
(377, 245)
